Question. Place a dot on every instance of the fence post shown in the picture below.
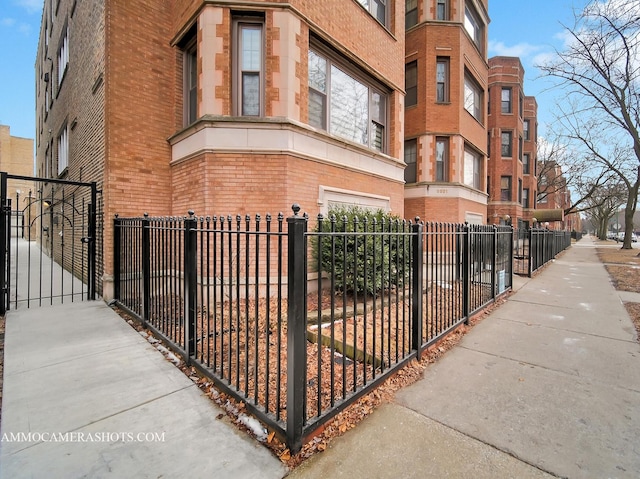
(466, 271)
(190, 286)
(93, 229)
(296, 329)
(416, 287)
(511, 258)
(117, 241)
(146, 270)
(530, 253)
(494, 263)
(4, 294)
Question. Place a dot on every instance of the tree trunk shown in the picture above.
(629, 212)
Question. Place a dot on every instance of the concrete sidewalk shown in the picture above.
(548, 385)
(79, 371)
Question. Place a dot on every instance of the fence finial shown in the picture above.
(191, 213)
(296, 209)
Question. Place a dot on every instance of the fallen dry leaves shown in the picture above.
(352, 415)
(623, 267)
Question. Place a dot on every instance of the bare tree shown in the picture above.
(600, 70)
(560, 168)
(603, 205)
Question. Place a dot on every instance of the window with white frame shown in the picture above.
(343, 102)
(377, 8)
(525, 198)
(473, 25)
(505, 100)
(249, 66)
(472, 168)
(410, 158)
(473, 95)
(411, 13)
(506, 150)
(63, 55)
(442, 158)
(63, 150)
(442, 80)
(526, 124)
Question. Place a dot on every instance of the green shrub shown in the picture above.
(364, 251)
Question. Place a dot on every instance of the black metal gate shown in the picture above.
(47, 241)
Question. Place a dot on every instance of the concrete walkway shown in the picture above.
(548, 385)
(99, 401)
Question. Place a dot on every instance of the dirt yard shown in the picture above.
(623, 267)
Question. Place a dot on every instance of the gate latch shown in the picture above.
(86, 239)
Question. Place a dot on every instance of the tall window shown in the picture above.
(442, 10)
(505, 188)
(410, 158)
(521, 106)
(520, 148)
(442, 80)
(506, 150)
(411, 84)
(442, 159)
(505, 100)
(63, 55)
(525, 198)
(472, 168)
(473, 97)
(249, 68)
(63, 150)
(474, 26)
(519, 191)
(47, 162)
(526, 168)
(191, 83)
(526, 124)
(377, 8)
(411, 13)
(344, 104)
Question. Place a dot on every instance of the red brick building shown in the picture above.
(445, 110)
(512, 141)
(223, 107)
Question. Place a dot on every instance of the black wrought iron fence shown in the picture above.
(299, 322)
(535, 247)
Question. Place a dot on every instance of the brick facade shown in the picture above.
(123, 101)
(429, 41)
(509, 182)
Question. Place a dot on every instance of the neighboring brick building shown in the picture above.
(512, 140)
(445, 110)
(16, 158)
(554, 195)
(224, 107)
